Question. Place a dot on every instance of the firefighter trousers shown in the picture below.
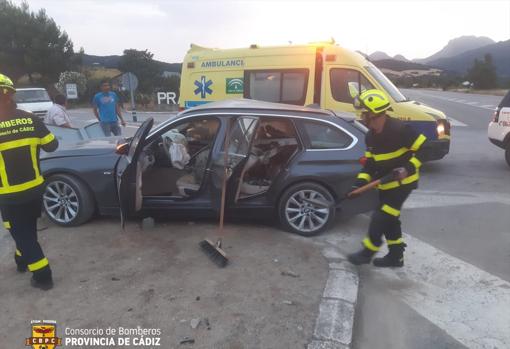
(21, 221)
(386, 218)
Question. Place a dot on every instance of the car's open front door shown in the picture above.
(237, 138)
(128, 173)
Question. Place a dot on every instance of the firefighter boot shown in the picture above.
(42, 279)
(394, 258)
(21, 266)
(363, 256)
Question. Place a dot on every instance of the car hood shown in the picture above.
(92, 147)
(36, 106)
(419, 111)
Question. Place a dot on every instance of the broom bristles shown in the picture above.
(215, 253)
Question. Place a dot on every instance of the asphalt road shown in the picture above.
(459, 216)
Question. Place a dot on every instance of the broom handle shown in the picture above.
(365, 188)
(226, 144)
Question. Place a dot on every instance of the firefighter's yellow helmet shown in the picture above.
(373, 100)
(6, 85)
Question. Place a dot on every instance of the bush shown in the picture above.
(72, 77)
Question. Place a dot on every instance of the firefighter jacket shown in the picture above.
(398, 145)
(22, 135)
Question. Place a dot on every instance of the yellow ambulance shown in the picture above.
(323, 74)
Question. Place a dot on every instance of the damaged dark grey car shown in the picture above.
(282, 161)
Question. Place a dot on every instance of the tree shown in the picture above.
(483, 73)
(32, 43)
(142, 64)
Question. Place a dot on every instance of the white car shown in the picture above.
(35, 100)
(499, 127)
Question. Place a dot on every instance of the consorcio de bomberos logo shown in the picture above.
(44, 335)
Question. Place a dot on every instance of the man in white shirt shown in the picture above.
(57, 114)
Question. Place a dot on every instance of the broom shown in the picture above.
(214, 250)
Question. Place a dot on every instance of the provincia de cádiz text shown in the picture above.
(112, 337)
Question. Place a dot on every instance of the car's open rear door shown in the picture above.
(128, 173)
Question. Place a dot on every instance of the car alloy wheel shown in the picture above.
(307, 211)
(61, 202)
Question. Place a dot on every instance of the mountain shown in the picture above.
(378, 55)
(457, 46)
(461, 63)
(399, 65)
(113, 62)
(400, 58)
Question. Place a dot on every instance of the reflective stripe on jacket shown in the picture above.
(398, 145)
(22, 135)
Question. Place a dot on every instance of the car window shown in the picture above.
(505, 102)
(195, 133)
(31, 96)
(325, 136)
(347, 83)
(241, 133)
(279, 86)
(386, 83)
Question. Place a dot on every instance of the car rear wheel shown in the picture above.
(306, 209)
(67, 201)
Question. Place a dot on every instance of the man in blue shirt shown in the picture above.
(107, 109)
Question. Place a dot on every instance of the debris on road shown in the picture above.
(290, 273)
(194, 323)
(207, 324)
(187, 340)
(148, 223)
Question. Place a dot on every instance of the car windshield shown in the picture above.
(31, 96)
(388, 86)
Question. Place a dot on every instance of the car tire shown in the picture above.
(67, 201)
(303, 217)
(507, 154)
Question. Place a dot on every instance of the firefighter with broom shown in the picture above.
(393, 157)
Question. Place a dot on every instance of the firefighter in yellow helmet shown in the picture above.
(394, 155)
(22, 135)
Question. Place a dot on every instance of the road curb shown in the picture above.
(335, 322)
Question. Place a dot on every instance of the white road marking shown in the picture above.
(468, 303)
(425, 198)
(455, 122)
(465, 102)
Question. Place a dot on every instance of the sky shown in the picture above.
(416, 29)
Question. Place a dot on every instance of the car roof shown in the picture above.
(30, 89)
(254, 105)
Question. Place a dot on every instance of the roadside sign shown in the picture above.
(72, 91)
(167, 97)
(129, 81)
